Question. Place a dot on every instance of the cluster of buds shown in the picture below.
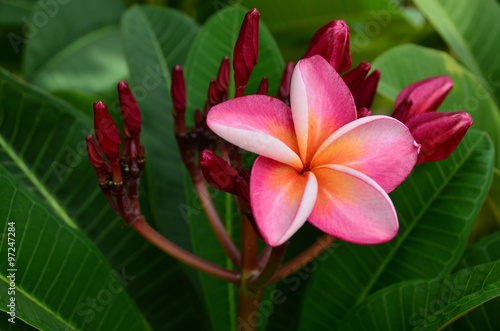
(120, 174)
(200, 140)
(439, 133)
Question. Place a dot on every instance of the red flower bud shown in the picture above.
(332, 41)
(365, 93)
(213, 94)
(178, 92)
(130, 112)
(106, 132)
(101, 166)
(246, 49)
(284, 89)
(363, 112)
(223, 78)
(438, 133)
(420, 97)
(363, 89)
(263, 87)
(354, 78)
(218, 173)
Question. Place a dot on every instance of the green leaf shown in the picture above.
(155, 40)
(87, 57)
(436, 206)
(42, 141)
(13, 11)
(74, 287)
(427, 304)
(471, 29)
(407, 64)
(484, 317)
(216, 40)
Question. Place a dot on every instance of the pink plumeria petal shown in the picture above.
(321, 103)
(352, 207)
(380, 147)
(259, 124)
(281, 199)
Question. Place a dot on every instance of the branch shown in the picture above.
(304, 258)
(143, 228)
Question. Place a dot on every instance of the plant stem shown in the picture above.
(302, 259)
(248, 309)
(216, 223)
(143, 228)
(273, 263)
(248, 301)
(249, 247)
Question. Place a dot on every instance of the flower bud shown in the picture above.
(286, 80)
(218, 173)
(422, 96)
(363, 112)
(223, 78)
(106, 132)
(246, 49)
(365, 93)
(178, 92)
(263, 87)
(98, 163)
(213, 94)
(332, 41)
(354, 78)
(130, 112)
(438, 133)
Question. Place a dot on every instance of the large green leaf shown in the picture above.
(407, 64)
(216, 40)
(436, 207)
(156, 39)
(472, 30)
(42, 143)
(427, 304)
(484, 317)
(73, 287)
(86, 56)
(12, 12)
(375, 25)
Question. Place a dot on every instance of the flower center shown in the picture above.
(305, 169)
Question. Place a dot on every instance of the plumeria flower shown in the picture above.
(317, 162)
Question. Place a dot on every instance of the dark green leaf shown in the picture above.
(13, 11)
(155, 40)
(484, 317)
(472, 30)
(436, 207)
(74, 287)
(427, 304)
(75, 45)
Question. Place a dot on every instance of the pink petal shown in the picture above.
(259, 124)
(321, 103)
(281, 199)
(353, 207)
(380, 147)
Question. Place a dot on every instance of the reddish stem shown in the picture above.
(302, 259)
(216, 223)
(143, 228)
